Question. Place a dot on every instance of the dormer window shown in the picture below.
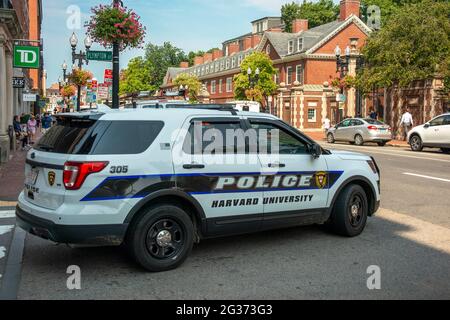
(300, 44)
(291, 46)
(268, 49)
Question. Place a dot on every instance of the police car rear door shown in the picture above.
(213, 168)
(296, 183)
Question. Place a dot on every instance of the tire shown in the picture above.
(352, 143)
(445, 150)
(343, 220)
(416, 143)
(359, 141)
(330, 138)
(381, 144)
(161, 238)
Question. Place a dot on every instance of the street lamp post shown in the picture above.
(81, 57)
(116, 66)
(184, 90)
(253, 78)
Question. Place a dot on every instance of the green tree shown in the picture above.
(160, 58)
(317, 13)
(191, 55)
(136, 77)
(193, 84)
(413, 44)
(265, 86)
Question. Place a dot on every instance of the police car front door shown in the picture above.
(296, 183)
(213, 168)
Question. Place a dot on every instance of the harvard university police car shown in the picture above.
(160, 180)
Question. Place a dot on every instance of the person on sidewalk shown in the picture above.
(31, 126)
(326, 125)
(407, 123)
(46, 123)
(373, 115)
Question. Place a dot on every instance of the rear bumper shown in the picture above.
(71, 234)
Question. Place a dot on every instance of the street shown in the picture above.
(409, 240)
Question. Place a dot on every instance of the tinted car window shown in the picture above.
(374, 122)
(356, 122)
(345, 123)
(80, 136)
(437, 122)
(447, 119)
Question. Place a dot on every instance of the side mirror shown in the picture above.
(316, 151)
(426, 126)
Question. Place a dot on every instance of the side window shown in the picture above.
(355, 122)
(437, 122)
(447, 120)
(272, 137)
(209, 137)
(346, 123)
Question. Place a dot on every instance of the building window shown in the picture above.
(203, 71)
(289, 75)
(220, 86)
(239, 60)
(290, 46)
(233, 62)
(227, 65)
(300, 44)
(222, 65)
(229, 85)
(268, 49)
(299, 73)
(217, 67)
(207, 69)
(312, 115)
(213, 86)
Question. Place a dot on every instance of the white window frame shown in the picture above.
(227, 64)
(229, 85)
(290, 46)
(220, 85)
(222, 65)
(268, 48)
(314, 119)
(299, 44)
(299, 66)
(288, 82)
(233, 62)
(213, 87)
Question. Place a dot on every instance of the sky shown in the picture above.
(188, 24)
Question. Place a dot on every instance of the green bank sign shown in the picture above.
(26, 57)
(99, 55)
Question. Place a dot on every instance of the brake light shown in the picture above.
(372, 128)
(75, 173)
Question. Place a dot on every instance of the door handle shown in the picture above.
(193, 166)
(277, 165)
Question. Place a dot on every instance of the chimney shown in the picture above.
(198, 60)
(256, 39)
(184, 64)
(207, 57)
(247, 43)
(216, 54)
(233, 48)
(349, 7)
(299, 25)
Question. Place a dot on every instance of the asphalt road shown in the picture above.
(409, 240)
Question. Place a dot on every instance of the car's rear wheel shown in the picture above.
(416, 143)
(161, 238)
(381, 144)
(330, 138)
(359, 141)
(349, 215)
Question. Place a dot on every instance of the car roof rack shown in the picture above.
(219, 107)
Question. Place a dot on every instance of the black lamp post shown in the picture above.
(81, 57)
(253, 78)
(342, 63)
(116, 66)
(183, 91)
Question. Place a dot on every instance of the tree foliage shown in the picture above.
(80, 77)
(136, 77)
(317, 13)
(414, 44)
(194, 85)
(265, 86)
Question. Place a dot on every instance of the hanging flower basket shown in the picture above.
(80, 77)
(111, 23)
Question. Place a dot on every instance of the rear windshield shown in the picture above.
(90, 137)
(373, 121)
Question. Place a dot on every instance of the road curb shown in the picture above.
(13, 269)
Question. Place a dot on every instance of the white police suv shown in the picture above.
(159, 180)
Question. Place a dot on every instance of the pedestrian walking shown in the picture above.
(47, 121)
(407, 123)
(23, 121)
(326, 125)
(17, 127)
(31, 126)
(373, 114)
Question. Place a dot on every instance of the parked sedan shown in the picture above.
(359, 131)
(433, 134)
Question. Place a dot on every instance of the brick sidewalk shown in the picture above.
(320, 136)
(12, 176)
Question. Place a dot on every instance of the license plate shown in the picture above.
(383, 129)
(32, 177)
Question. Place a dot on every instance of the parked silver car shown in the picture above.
(358, 131)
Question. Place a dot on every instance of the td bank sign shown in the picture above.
(26, 57)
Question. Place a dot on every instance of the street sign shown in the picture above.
(42, 103)
(103, 91)
(18, 82)
(99, 55)
(27, 97)
(26, 57)
(108, 76)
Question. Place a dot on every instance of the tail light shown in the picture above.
(372, 128)
(389, 129)
(75, 173)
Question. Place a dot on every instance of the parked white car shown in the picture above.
(433, 134)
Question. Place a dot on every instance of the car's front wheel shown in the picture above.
(416, 143)
(359, 141)
(381, 144)
(349, 215)
(330, 138)
(161, 237)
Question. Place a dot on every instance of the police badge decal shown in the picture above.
(51, 178)
(321, 179)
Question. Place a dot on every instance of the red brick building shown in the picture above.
(305, 61)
